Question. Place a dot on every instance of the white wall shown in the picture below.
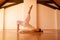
(1, 18)
(58, 19)
(27, 4)
(12, 15)
(19, 12)
(46, 17)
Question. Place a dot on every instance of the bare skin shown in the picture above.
(26, 22)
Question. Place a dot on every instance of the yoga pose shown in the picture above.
(25, 26)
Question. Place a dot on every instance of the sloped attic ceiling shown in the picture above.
(10, 2)
(2, 2)
(44, 2)
(55, 4)
(58, 2)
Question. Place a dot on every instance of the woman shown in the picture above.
(25, 26)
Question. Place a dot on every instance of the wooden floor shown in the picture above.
(45, 35)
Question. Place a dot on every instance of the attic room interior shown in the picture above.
(29, 19)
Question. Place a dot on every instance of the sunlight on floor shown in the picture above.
(12, 35)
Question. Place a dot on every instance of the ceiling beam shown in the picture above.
(16, 1)
(10, 1)
(50, 6)
(46, 3)
(3, 3)
(9, 6)
(56, 4)
(57, 1)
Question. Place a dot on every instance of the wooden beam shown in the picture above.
(46, 3)
(55, 3)
(3, 3)
(58, 2)
(43, 0)
(10, 1)
(16, 1)
(49, 6)
(8, 6)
